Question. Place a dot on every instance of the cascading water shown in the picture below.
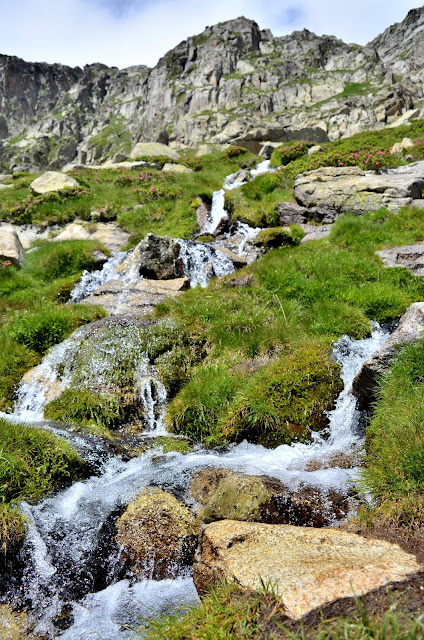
(71, 561)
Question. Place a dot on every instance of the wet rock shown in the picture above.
(176, 168)
(155, 257)
(410, 329)
(157, 535)
(11, 249)
(138, 298)
(292, 213)
(239, 281)
(52, 181)
(202, 213)
(238, 261)
(227, 495)
(328, 192)
(14, 626)
(307, 567)
(143, 149)
(109, 234)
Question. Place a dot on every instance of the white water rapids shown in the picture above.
(66, 567)
(72, 580)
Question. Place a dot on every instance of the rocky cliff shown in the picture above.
(232, 83)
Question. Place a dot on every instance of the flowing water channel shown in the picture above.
(71, 578)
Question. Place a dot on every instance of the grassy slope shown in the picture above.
(300, 301)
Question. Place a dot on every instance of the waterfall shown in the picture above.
(201, 262)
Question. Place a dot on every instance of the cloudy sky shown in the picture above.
(126, 32)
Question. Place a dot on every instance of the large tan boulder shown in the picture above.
(11, 249)
(147, 149)
(52, 181)
(307, 567)
(229, 495)
(157, 534)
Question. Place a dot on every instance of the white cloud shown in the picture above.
(126, 32)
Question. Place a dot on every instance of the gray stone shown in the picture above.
(176, 168)
(292, 213)
(109, 234)
(410, 329)
(399, 147)
(331, 191)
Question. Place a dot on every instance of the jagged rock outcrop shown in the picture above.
(307, 567)
(232, 83)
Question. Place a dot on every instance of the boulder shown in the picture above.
(11, 249)
(239, 281)
(315, 149)
(52, 181)
(308, 568)
(410, 256)
(155, 257)
(108, 233)
(315, 232)
(399, 147)
(136, 299)
(410, 329)
(227, 495)
(146, 149)
(268, 148)
(330, 191)
(157, 535)
(176, 168)
(273, 237)
(292, 213)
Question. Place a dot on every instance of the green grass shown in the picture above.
(33, 463)
(229, 613)
(394, 470)
(140, 200)
(301, 295)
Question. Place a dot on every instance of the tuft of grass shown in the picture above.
(395, 437)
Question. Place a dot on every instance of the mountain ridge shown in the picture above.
(233, 83)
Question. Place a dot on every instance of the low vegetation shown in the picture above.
(229, 613)
(33, 462)
(300, 300)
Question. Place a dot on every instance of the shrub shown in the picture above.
(289, 152)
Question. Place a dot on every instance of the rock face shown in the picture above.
(11, 249)
(52, 181)
(328, 192)
(309, 567)
(226, 495)
(232, 83)
(157, 534)
(410, 329)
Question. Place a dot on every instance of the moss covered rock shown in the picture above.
(277, 237)
(227, 495)
(52, 181)
(157, 534)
